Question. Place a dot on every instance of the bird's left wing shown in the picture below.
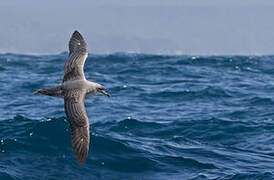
(79, 124)
(74, 66)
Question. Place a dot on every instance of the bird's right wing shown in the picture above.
(79, 124)
(74, 66)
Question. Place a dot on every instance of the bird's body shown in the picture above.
(87, 87)
(74, 89)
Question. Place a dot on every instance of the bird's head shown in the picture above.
(101, 89)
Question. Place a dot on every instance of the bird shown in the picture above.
(74, 89)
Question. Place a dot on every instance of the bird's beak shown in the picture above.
(104, 92)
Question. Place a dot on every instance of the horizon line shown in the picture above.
(139, 53)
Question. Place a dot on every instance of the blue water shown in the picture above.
(168, 117)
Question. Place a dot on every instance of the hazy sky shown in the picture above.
(202, 27)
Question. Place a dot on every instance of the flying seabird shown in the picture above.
(74, 89)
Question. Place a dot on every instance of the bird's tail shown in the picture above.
(54, 91)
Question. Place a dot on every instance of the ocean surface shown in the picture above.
(168, 117)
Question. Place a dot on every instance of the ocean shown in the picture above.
(168, 117)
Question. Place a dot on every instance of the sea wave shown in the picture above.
(168, 117)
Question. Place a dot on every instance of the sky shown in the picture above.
(194, 27)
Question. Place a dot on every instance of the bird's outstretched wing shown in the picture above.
(79, 124)
(74, 66)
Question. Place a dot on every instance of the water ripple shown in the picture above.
(169, 117)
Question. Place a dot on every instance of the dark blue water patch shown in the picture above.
(6, 176)
(2, 69)
(256, 101)
(243, 176)
(186, 163)
(209, 92)
(168, 117)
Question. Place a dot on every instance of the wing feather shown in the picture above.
(79, 124)
(74, 66)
